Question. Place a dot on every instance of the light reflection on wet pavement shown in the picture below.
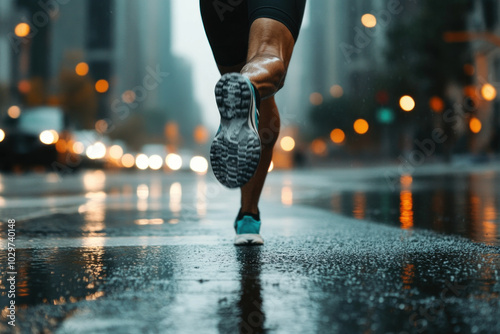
(463, 204)
(152, 253)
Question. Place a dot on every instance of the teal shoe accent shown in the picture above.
(256, 119)
(247, 225)
(255, 110)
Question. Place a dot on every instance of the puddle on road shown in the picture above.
(466, 205)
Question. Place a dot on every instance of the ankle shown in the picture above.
(255, 214)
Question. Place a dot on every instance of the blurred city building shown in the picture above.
(368, 79)
(340, 51)
(100, 60)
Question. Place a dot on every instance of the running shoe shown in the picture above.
(247, 231)
(235, 150)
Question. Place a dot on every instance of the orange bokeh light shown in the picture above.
(172, 131)
(61, 146)
(82, 69)
(128, 160)
(201, 134)
(336, 91)
(316, 99)
(475, 125)
(318, 146)
(436, 104)
(337, 136)
(24, 86)
(14, 112)
(101, 126)
(22, 29)
(488, 92)
(369, 20)
(361, 126)
(128, 96)
(102, 86)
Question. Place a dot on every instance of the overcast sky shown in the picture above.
(189, 41)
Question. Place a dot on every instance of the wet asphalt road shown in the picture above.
(345, 251)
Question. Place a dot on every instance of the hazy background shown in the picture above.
(369, 82)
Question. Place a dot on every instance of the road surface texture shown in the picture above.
(362, 250)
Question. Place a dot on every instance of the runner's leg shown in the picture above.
(270, 46)
(269, 52)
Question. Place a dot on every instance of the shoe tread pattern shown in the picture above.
(235, 150)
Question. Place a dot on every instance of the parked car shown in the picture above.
(31, 138)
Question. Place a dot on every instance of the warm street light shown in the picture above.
(361, 126)
(24, 86)
(337, 136)
(316, 99)
(116, 152)
(48, 137)
(96, 151)
(155, 162)
(475, 125)
(488, 92)
(173, 161)
(82, 69)
(142, 161)
(318, 146)
(287, 143)
(14, 112)
(101, 86)
(128, 160)
(436, 103)
(198, 165)
(78, 147)
(128, 96)
(22, 29)
(407, 103)
(201, 134)
(336, 91)
(368, 20)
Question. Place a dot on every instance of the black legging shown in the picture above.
(227, 23)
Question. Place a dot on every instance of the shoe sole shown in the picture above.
(248, 240)
(235, 150)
